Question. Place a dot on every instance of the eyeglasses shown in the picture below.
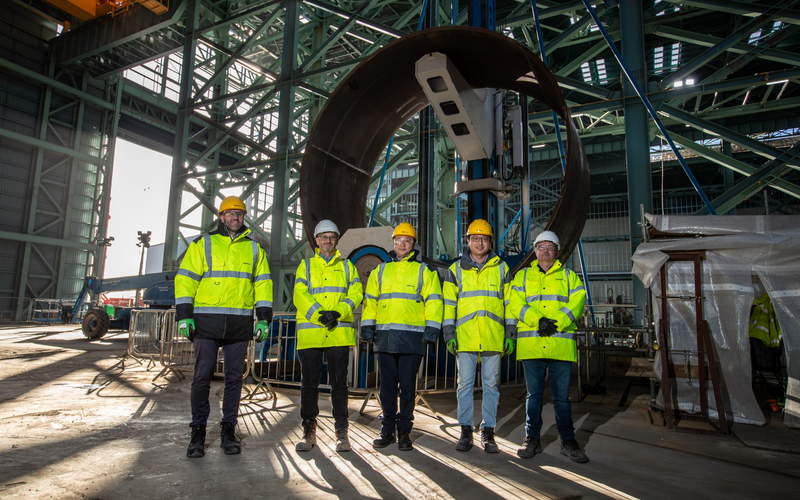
(404, 241)
(234, 213)
(481, 239)
(548, 248)
(327, 238)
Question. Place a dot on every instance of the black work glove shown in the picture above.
(547, 327)
(329, 318)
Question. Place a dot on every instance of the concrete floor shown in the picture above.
(77, 423)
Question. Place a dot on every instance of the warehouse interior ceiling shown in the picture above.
(231, 90)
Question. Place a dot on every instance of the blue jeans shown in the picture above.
(490, 375)
(559, 387)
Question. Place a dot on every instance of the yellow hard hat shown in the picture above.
(404, 229)
(232, 203)
(480, 226)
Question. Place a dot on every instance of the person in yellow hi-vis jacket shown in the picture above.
(223, 276)
(764, 324)
(402, 314)
(475, 328)
(546, 299)
(327, 292)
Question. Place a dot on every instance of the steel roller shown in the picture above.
(382, 93)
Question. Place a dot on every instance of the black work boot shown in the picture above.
(570, 449)
(309, 436)
(383, 440)
(530, 447)
(465, 441)
(197, 444)
(403, 440)
(487, 440)
(228, 440)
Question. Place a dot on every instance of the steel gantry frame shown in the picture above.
(231, 89)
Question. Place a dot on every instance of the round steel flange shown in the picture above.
(382, 93)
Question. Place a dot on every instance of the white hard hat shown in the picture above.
(547, 236)
(326, 226)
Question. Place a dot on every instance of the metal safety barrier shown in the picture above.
(144, 335)
(177, 352)
(275, 362)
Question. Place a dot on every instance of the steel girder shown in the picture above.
(766, 175)
(244, 158)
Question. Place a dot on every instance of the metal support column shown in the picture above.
(637, 138)
(426, 148)
(278, 249)
(44, 112)
(482, 204)
(525, 184)
(172, 232)
(727, 174)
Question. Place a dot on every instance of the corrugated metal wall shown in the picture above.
(59, 200)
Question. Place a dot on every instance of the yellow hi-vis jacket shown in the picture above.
(402, 306)
(557, 294)
(220, 282)
(764, 324)
(326, 286)
(474, 304)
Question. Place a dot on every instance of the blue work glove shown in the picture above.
(186, 328)
(508, 347)
(547, 327)
(452, 346)
(262, 330)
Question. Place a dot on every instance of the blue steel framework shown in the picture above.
(251, 76)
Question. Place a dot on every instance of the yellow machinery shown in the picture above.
(90, 9)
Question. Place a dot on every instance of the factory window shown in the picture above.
(594, 72)
(667, 57)
(762, 34)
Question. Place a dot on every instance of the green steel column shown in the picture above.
(277, 249)
(317, 41)
(65, 234)
(24, 268)
(727, 173)
(637, 140)
(172, 232)
(426, 148)
(219, 88)
(108, 170)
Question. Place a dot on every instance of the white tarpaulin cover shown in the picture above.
(737, 248)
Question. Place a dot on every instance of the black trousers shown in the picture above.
(311, 369)
(205, 359)
(398, 371)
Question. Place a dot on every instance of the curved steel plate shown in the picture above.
(382, 93)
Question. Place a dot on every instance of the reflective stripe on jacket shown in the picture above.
(402, 306)
(474, 304)
(557, 294)
(764, 324)
(326, 286)
(220, 282)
